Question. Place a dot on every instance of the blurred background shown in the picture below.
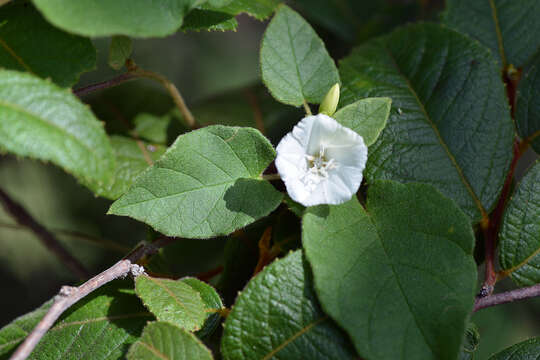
(218, 74)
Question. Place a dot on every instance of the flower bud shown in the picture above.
(330, 101)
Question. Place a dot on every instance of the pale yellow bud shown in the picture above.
(330, 101)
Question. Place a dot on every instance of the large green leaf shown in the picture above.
(260, 9)
(29, 43)
(528, 104)
(508, 28)
(450, 125)
(42, 121)
(164, 341)
(173, 301)
(526, 350)
(138, 18)
(132, 158)
(207, 184)
(367, 117)
(101, 326)
(399, 277)
(277, 316)
(295, 65)
(520, 232)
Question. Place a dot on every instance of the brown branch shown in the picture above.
(506, 297)
(120, 79)
(70, 295)
(135, 72)
(23, 218)
(491, 229)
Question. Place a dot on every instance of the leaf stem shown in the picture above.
(270, 177)
(23, 218)
(307, 108)
(70, 295)
(506, 297)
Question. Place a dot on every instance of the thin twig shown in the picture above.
(506, 297)
(135, 72)
(70, 295)
(23, 218)
(120, 79)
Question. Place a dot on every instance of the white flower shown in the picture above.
(321, 161)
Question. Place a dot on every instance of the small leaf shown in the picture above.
(207, 184)
(450, 125)
(151, 127)
(470, 345)
(260, 9)
(164, 341)
(399, 277)
(526, 350)
(209, 20)
(528, 104)
(101, 326)
(508, 28)
(132, 158)
(172, 300)
(48, 52)
(295, 65)
(367, 117)
(119, 51)
(42, 121)
(277, 316)
(520, 231)
(137, 18)
(212, 302)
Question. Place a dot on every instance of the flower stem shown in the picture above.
(307, 108)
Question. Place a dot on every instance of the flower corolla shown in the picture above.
(321, 161)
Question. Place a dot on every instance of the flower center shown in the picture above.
(318, 168)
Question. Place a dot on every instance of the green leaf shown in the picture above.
(101, 326)
(137, 18)
(399, 277)
(295, 65)
(277, 316)
(151, 127)
(520, 231)
(260, 9)
(164, 341)
(198, 20)
(450, 125)
(207, 184)
(470, 345)
(44, 51)
(212, 302)
(15, 332)
(132, 158)
(42, 121)
(172, 300)
(528, 104)
(526, 350)
(120, 50)
(508, 28)
(367, 117)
